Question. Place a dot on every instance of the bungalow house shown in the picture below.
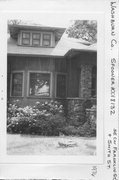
(44, 64)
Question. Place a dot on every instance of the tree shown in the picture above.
(14, 22)
(13, 32)
(83, 29)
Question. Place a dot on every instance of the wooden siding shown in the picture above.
(60, 65)
(38, 64)
(70, 66)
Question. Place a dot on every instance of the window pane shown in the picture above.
(26, 35)
(36, 36)
(39, 84)
(61, 85)
(26, 38)
(36, 42)
(26, 41)
(17, 80)
(36, 39)
(46, 39)
(46, 43)
(46, 36)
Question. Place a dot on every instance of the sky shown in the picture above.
(51, 12)
(47, 19)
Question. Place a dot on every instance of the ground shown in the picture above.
(40, 145)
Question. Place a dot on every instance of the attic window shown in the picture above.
(36, 39)
(46, 39)
(26, 38)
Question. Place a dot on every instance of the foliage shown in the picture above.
(84, 130)
(47, 119)
(84, 29)
(14, 21)
(43, 119)
(46, 126)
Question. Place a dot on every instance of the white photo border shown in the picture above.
(34, 159)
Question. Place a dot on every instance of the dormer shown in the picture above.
(35, 36)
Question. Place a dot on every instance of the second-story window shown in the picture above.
(36, 39)
(26, 38)
(46, 39)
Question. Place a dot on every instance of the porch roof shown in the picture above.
(66, 44)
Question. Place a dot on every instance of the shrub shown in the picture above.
(47, 126)
(84, 130)
(70, 130)
(52, 107)
(55, 123)
(48, 119)
(43, 119)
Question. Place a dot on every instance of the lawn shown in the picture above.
(40, 145)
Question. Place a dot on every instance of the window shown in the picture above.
(61, 85)
(36, 39)
(17, 84)
(46, 39)
(26, 38)
(39, 84)
(94, 81)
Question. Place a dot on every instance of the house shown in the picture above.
(44, 64)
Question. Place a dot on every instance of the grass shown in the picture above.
(40, 145)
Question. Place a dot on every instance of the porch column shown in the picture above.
(86, 81)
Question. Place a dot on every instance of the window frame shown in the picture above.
(43, 34)
(60, 73)
(28, 32)
(11, 83)
(28, 84)
(32, 33)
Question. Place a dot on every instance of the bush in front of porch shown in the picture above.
(48, 119)
(43, 119)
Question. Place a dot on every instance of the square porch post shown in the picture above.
(86, 81)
